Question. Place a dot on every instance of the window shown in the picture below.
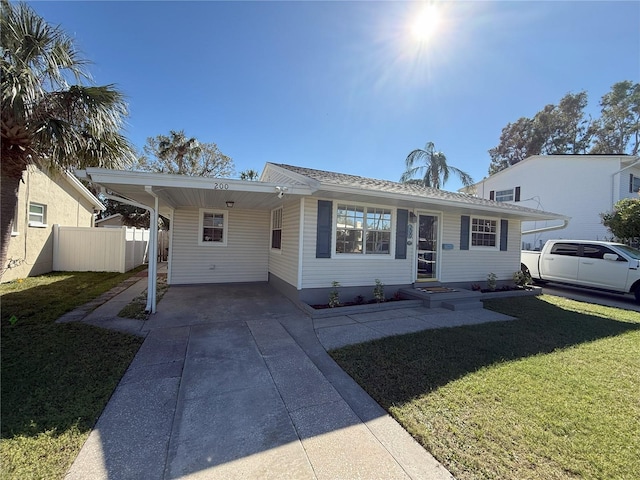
(363, 230)
(504, 195)
(37, 215)
(598, 251)
(14, 222)
(213, 227)
(484, 232)
(634, 184)
(276, 229)
(566, 249)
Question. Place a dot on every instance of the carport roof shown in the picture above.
(175, 191)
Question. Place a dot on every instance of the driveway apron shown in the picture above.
(231, 382)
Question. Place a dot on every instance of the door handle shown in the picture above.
(587, 263)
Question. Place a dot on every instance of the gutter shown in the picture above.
(153, 254)
(153, 248)
(565, 223)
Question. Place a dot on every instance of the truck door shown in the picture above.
(560, 264)
(596, 271)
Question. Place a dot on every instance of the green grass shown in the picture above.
(553, 395)
(56, 378)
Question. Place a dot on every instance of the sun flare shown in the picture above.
(426, 23)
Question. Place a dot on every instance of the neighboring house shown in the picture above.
(115, 220)
(44, 200)
(301, 229)
(578, 186)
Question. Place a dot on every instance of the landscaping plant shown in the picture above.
(378, 291)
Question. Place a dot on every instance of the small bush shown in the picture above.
(378, 291)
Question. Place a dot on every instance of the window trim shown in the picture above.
(43, 215)
(392, 231)
(276, 227)
(225, 227)
(497, 234)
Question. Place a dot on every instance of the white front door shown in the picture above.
(427, 252)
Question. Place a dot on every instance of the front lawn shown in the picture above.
(552, 395)
(56, 379)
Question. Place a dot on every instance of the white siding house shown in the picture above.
(577, 186)
(301, 229)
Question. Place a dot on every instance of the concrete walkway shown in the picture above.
(232, 382)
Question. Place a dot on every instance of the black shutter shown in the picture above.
(401, 234)
(504, 235)
(464, 232)
(325, 225)
(517, 194)
(631, 183)
(492, 195)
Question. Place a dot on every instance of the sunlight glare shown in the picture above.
(426, 24)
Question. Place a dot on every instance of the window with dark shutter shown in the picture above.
(517, 199)
(492, 195)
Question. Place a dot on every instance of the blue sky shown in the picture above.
(344, 86)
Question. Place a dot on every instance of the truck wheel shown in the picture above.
(637, 292)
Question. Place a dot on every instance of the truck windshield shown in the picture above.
(632, 252)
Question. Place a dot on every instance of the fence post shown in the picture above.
(56, 247)
(123, 247)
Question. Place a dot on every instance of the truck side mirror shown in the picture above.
(611, 256)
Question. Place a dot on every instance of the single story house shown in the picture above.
(578, 186)
(302, 229)
(44, 199)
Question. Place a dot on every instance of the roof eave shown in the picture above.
(511, 211)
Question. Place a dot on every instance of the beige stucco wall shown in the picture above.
(31, 248)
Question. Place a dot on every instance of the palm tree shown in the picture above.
(175, 148)
(47, 121)
(435, 168)
(250, 174)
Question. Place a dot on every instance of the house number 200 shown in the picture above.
(221, 186)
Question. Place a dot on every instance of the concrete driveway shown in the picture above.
(625, 302)
(231, 382)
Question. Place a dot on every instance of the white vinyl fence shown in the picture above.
(86, 249)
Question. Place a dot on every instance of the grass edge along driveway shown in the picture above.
(56, 378)
(551, 395)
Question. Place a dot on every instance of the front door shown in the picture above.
(427, 251)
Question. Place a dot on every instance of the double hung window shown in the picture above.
(484, 232)
(363, 230)
(276, 229)
(37, 215)
(504, 195)
(213, 227)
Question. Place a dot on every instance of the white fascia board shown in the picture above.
(121, 177)
(514, 210)
(312, 182)
(75, 183)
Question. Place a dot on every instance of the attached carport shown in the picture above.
(162, 194)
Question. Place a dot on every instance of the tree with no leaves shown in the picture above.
(432, 167)
(46, 120)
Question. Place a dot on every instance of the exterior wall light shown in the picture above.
(230, 204)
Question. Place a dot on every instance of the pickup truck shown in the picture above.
(609, 266)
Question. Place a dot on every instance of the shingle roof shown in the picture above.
(327, 178)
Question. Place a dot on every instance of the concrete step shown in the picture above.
(467, 305)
